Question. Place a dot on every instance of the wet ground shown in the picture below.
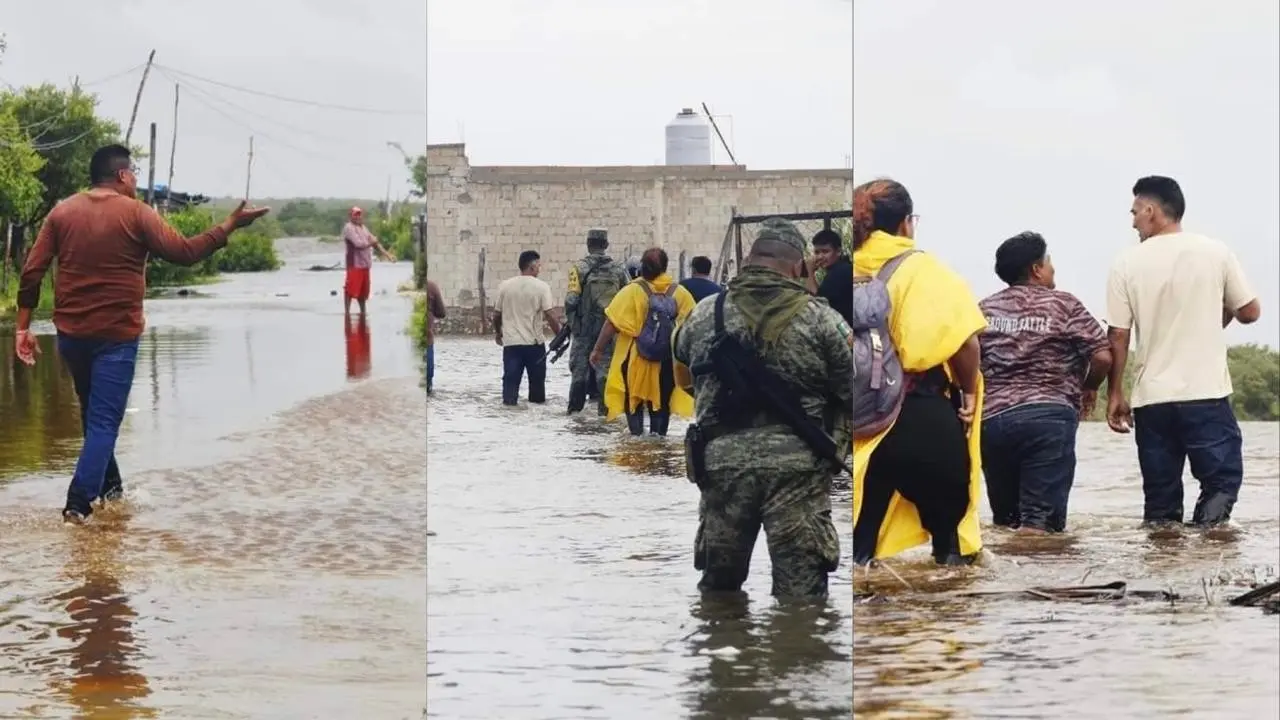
(561, 578)
(924, 653)
(269, 559)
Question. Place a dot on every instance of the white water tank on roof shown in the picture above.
(688, 139)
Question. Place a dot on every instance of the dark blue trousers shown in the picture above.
(429, 355)
(102, 372)
(521, 360)
(1029, 462)
(1202, 431)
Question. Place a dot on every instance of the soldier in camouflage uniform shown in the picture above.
(757, 470)
(593, 281)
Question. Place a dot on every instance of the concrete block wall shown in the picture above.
(506, 210)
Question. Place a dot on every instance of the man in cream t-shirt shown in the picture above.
(1175, 293)
(522, 304)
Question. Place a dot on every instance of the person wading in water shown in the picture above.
(360, 244)
(101, 239)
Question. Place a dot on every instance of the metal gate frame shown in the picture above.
(733, 235)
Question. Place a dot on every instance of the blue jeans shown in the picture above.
(1202, 431)
(518, 360)
(102, 372)
(429, 356)
(1029, 461)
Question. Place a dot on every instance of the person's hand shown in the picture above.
(1119, 414)
(497, 337)
(1088, 402)
(967, 405)
(244, 216)
(391, 257)
(597, 355)
(26, 347)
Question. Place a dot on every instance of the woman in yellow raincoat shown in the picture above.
(920, 479)
(635, 383)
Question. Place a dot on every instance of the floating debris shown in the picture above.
(1266, 597)
(1108, 592)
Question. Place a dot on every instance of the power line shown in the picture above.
(48, 122)
(296, 101)
(55, 145)
(113, 76)
(198, 93)
(291, 128)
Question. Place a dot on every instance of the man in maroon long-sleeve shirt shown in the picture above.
(101, 239)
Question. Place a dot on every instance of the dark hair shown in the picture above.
(828, 238)
(527, 258)
(653, 263)
(701, 265)
(1165, 192)
(107, 161)
(1016, 256)
(879, 205)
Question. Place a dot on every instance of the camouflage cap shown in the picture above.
(782, 231)
(597, 234)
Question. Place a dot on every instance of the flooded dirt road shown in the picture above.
(269, 559)
(925, 654)
(561, 579)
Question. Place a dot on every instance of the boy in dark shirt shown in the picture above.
(837, 286)
(700, 285)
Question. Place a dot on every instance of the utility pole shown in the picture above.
(386, 204)
(133, 117)
(248, 175)
(173, 148)
(151, 169)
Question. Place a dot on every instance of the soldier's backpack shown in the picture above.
(654, 341)
(600, 285)
(878, 378)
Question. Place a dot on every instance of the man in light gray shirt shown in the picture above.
(522, 304)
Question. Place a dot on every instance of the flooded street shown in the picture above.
(924, 654)
(561, 574)
(268, 559)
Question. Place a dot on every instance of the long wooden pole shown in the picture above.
(173, 148)
(151, 169)
(133, 117)
(248, 176)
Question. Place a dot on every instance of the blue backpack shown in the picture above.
(654, 341)
(878, 378)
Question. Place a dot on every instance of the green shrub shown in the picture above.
(250, 250)
(396, 233)
(417, 322)
(247, 251)
(9, 299)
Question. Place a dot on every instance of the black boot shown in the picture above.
(658, 422)
(946, 551)
(577, 397)
(1212, 509)
(635, 422)
(112, 489)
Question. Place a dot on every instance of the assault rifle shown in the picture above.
(747, 387)
(559, 344)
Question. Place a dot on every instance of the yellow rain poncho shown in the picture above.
(934, 312)
(627, 312)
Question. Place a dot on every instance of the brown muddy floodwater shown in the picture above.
(924, 653)
(561, 579)
(268, 560)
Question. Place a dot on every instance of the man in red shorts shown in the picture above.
(360, 246)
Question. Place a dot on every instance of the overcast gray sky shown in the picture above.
(331, 51)
(1002, 116)
(593, 82)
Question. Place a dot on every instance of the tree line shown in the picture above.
(47, 136)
